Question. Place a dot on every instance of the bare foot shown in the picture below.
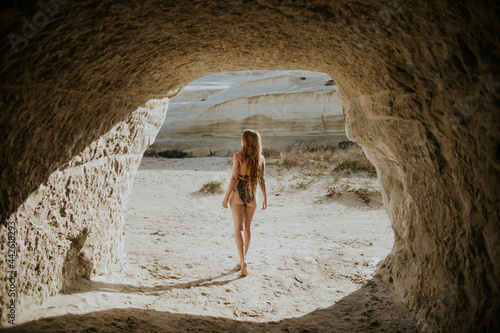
(244, 269)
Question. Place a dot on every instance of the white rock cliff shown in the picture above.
(286, 107)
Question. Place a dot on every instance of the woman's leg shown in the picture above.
(248, 212)
(237, 210)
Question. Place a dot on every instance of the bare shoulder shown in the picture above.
(238, 156)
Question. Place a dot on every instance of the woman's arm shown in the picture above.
(262, 183)
(232, 181)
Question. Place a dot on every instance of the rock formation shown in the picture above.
(419, 83)
(69, 219)
(287, 107)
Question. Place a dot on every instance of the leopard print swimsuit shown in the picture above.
(242, 187)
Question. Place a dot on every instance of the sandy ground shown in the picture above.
(311, 268)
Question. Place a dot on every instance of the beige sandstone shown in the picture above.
(74, 222)
(287, 107)
(419, 85)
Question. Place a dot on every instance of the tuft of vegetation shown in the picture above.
(333, 191)
(347, 144)
(364, 194)
(173, 153)
(303, 183)
(215, 186)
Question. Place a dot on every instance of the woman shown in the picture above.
(248, 171)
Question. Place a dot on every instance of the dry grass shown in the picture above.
(333, 192)
(212, 187)
(172, 153)
(364, 194)
(316, 162)
(313, 164)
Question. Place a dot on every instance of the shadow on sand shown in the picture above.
(83, 286)
(372, 308)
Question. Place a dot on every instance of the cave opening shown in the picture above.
(317, 245)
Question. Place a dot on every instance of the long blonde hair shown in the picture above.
(252, 148)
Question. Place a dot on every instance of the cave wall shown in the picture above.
(419, 83)
(73, 225)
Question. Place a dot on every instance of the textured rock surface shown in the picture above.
(419, 82)
(73, 224)
(282, 105)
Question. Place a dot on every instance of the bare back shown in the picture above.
(244, 168)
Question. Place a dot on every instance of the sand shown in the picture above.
(311, 263)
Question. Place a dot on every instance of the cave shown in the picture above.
(419, 85)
